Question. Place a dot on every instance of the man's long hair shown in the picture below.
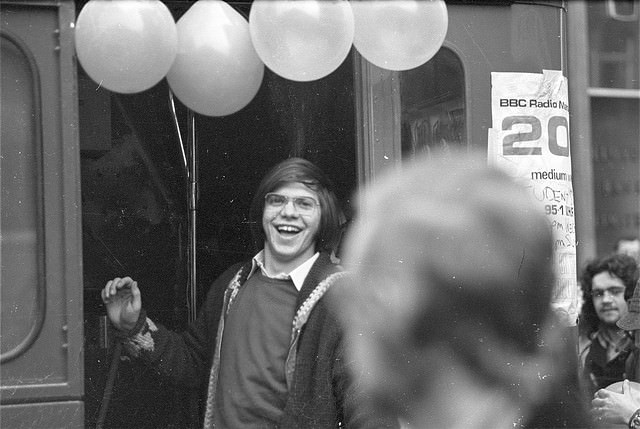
(622, 266)
(299, 170)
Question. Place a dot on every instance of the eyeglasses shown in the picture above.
(304, 205)
(614, 291)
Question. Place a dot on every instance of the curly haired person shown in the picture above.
(604, 348)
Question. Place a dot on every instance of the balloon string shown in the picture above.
(177, 125)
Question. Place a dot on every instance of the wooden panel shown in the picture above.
(48, 415)
(50, 363)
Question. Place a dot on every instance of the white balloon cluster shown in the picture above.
(214, 59)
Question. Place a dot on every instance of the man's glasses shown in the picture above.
(614, 291)
(304, 205)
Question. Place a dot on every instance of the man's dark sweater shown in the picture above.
(321, 392)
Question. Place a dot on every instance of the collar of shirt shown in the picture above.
(297, 276)
(614, 344)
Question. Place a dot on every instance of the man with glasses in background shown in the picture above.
(607, 283)
(266, 347)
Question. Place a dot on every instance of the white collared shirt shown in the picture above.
(297, 276)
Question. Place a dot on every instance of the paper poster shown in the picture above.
(529, 139)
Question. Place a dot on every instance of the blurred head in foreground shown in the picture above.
(450, 301)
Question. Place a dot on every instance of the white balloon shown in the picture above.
(216, 71)
(126, 46)
(302, 40)
(399, 34)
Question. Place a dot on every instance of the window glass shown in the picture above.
(614, 43)
(20, 167)
(614, 49)
(616, 174)
(433, 112)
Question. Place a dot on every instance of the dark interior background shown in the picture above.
(135, 207)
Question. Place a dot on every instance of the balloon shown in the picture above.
(302, 40)
(217, 71)
(126, 46)
(399, 34)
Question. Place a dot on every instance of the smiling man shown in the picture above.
(266, 347)
(606, 283)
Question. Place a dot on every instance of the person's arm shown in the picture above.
(617, 408)
(181, 357)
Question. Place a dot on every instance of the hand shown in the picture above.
(124, 302)
(615, 408)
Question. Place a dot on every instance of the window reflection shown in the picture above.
(614, 44)
(615, 169)
(433, 110)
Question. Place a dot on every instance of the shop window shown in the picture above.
(615, 169)
(432, 99)
(614, 47)
(402, 114)
(614, 44)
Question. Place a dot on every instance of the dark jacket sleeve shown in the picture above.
(185, 358)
